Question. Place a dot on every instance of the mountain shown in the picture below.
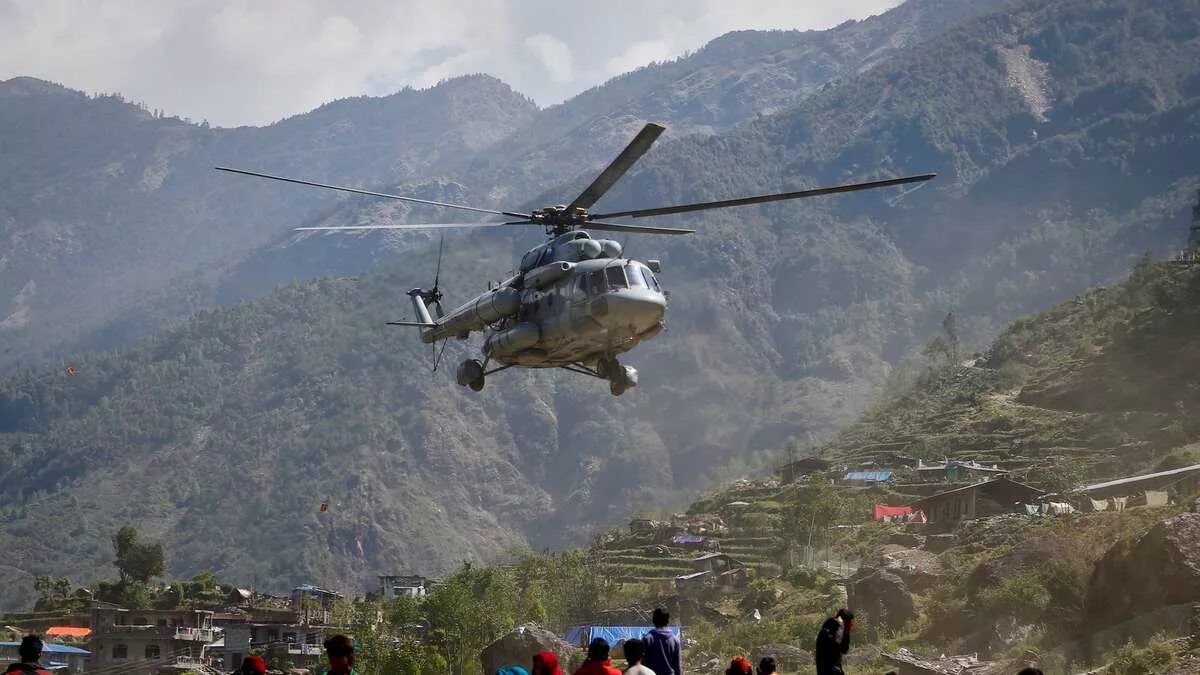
(120, 224)
(1103, 380)
(107, 206)
(1061, 129)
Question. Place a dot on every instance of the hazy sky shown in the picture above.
(251, 62)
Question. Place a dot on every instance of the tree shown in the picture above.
(136, 561)
(52, 593)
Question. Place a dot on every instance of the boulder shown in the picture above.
(920, 570)
(1161, 568)
(517, 647)
(882, 596)
(788, 658)
(906, 539)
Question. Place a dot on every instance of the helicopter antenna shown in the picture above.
(438, 359)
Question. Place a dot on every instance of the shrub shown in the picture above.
(1021, 597)
(1129, 659)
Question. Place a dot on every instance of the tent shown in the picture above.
(580, 636)
(884, 511)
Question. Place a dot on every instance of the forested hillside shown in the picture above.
(1063, 131)
(107, 207)
(1103, 383)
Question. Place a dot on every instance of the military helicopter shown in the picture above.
(575, 302)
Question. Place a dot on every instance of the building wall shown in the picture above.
(950, 508)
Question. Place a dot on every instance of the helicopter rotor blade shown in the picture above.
(414, 324)
(761, 199)
(641, 229)
(409, 226)
(370, 193)
(613, 172)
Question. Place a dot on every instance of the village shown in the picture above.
(703, 564)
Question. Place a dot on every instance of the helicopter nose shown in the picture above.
(638, 308)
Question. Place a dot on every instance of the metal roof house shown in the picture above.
(985, 498)
(1184, 479)
(56, 657)
(867, 477)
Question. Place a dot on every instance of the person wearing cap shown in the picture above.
(597, 662)
(30, 652)
(833, 640)
(340, 651)
(253, 665)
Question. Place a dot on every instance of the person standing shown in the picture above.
(30, 652)
(662, 647)
(253, 665)
(833, 640)
(635, 653)
(546, 663)
(339, 649)
(766, 666)
(739, 666)
(597, 662)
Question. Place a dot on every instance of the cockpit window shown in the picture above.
(636, 280)
(616, 276)
(595, 282)
(650, 280)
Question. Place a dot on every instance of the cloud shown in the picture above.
(554, 54)
(234, 62)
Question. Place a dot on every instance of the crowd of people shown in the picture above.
(658, 652)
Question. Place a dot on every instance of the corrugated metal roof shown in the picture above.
(68, 631)
(876, 476)
(1137, 479)
(52, 648)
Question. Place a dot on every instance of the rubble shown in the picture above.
(943, 665)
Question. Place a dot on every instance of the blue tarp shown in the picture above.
(687, 539)
(869, 476)
(581, 635)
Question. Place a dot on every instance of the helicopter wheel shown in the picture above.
(470, 374)
(621, 379)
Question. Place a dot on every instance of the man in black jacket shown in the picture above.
(833, 640)
(30, 652)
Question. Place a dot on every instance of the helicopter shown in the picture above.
(575, 303)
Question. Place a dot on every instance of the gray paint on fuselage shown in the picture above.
(581, 318)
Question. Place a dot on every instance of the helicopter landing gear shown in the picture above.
(620, 378)
(470, 374)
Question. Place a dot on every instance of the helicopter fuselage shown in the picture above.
(576, 301)
(598, 309)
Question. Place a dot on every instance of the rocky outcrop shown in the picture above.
(788, 658)
(1159, 569)
(936, 543)
(920, 570)
(881, 595)
(517, 647)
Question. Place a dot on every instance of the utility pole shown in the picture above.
(1194, 235)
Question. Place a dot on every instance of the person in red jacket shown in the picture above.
(597, 662)
(253, 665)
(546, 663)
(30, 652)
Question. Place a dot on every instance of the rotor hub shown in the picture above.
(560, 219)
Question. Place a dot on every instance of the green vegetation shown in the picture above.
(784, 318)
(1156, 657)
